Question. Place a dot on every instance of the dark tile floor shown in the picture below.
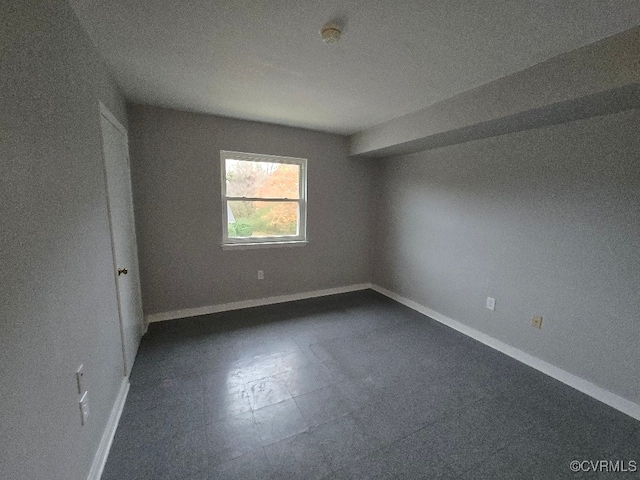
(349, 386)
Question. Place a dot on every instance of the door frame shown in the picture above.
(105, 113)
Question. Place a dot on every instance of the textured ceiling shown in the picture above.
(264, 60)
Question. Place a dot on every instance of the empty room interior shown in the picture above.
(331, 240)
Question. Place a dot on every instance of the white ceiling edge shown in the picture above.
(393, 59)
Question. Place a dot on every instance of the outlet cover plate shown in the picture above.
(491, 303)
(536, 321)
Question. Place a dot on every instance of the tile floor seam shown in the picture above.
(386, 446)
(324, 456)
(501, 447)
(352, 354)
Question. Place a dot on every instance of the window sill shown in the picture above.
(251, 246)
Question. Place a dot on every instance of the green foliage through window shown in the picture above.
(243, 229)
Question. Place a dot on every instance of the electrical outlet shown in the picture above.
(536, 321)
(491, 303)
(80, 379)
(260, 274)
(84, 407)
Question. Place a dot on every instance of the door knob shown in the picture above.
(122, 271)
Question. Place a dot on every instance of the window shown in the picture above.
(263, 199)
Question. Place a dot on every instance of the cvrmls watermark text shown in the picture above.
(620, 466)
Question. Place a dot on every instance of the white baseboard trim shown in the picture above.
(224, 307)
(100, 458)
(619, 403)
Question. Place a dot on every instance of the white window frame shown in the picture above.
(299, 239)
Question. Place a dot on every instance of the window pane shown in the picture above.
(262, 179)
(262, 219)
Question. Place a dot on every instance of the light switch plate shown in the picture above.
(84, 407)
(80, 379)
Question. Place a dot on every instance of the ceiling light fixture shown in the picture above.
(330, 33)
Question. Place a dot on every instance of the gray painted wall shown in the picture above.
(175, 158)
(57, 302)
(546, 221)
